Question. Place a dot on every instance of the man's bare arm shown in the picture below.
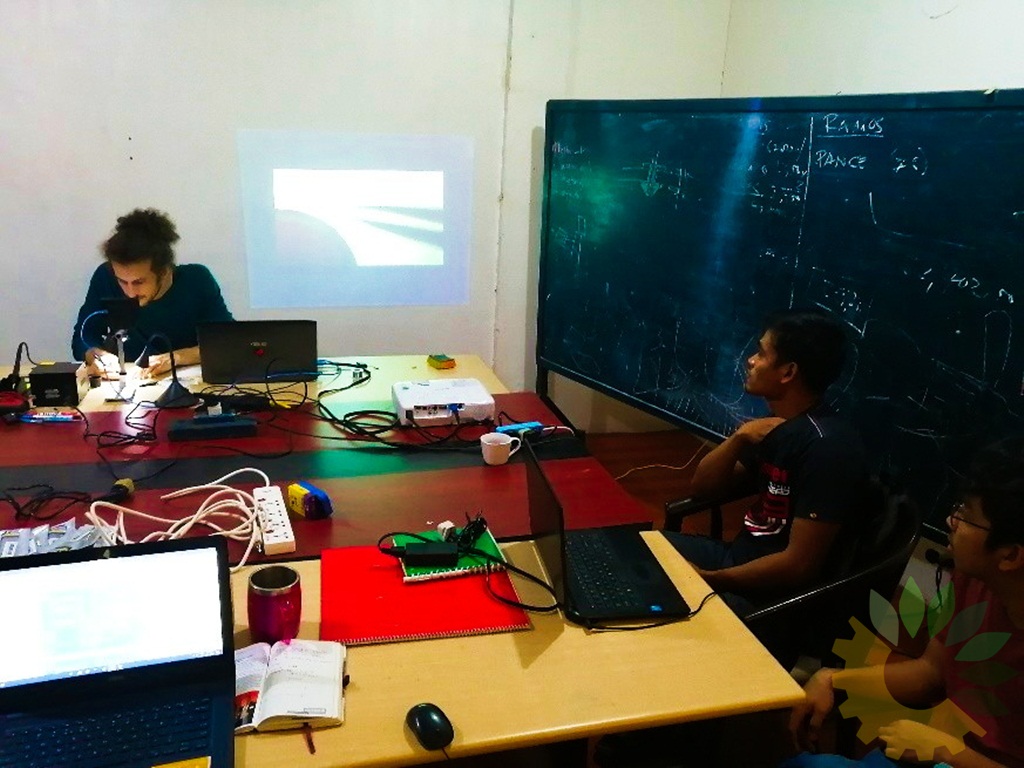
(809, 544)
(721, 469)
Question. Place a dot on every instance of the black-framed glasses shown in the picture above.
(957, 513)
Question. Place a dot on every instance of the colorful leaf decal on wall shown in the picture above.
(983, 646)
(988, 674)
(966, 623)
(884, 618)
(912, 607)
(983, 701)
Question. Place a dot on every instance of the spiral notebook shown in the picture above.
(467, 563)
(364, 600)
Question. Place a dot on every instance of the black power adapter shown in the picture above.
(435, 554)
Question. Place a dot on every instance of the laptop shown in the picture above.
(599, 574)
(264, 351)
(118, 656)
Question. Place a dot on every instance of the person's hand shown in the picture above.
(755, 430)
(807, 717)
(911, 741)
(158, 365)
(99, 362)
(701, 572)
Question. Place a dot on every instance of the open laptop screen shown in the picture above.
(547, 523)
(257, 351)
(110, 614)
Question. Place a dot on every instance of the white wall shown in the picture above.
(117, 104)
(790, 47)
(585, 50)
(110, 104)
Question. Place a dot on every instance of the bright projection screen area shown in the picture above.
(336, 220)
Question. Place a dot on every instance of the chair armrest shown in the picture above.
(803, 600)
(677, 509)
(892, 564)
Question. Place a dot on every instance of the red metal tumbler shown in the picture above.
(275, 604)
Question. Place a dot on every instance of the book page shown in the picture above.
(250, 670)
(303, 684)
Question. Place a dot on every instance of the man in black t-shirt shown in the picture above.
(806, 465)
(808, 469)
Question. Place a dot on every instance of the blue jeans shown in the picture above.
(873, 759)
(711, 555)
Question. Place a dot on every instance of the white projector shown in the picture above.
(442, 401)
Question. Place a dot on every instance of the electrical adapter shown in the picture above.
(435, 554)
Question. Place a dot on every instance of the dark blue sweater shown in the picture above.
(194, 297)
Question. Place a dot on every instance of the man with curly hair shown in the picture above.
(173, 299)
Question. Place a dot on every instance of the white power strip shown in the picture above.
(275, 524)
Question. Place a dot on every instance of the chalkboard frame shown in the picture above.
(556, 110)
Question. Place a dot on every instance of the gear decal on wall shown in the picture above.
(866, 648)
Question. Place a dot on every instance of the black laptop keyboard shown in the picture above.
(139, 736)
(599, 575)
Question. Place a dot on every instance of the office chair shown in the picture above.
(808, 622)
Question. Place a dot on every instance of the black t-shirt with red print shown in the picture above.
(811, 466)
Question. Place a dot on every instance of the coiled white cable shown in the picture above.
(227, 511)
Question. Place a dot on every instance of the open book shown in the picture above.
(289, 685)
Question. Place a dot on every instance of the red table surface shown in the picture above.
(367, 507)
(372, 494)
(284, 430)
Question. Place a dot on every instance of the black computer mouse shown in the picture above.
(430, 725)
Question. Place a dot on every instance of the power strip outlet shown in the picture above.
(278, 536)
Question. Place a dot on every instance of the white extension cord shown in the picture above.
(227, 511)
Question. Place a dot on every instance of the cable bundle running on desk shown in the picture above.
(372, 426)
(462, 541)
(227, 511)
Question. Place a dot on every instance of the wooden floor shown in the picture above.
(656, 467)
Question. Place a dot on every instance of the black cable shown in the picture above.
(653, 624)
(145, 433)
(369, 425)
(17, 359)
(41, 496)
(11, 381)
(254, 398)
(489, 562)
(334, 368)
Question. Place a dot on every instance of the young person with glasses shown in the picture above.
(986, 541)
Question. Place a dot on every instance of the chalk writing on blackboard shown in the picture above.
(673, 228)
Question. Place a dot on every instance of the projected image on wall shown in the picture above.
(342, 221)
(382, 218)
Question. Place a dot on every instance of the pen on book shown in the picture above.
(307, 731)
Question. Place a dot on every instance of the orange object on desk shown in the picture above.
(440, 361)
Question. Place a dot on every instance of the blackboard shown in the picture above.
(672, 228)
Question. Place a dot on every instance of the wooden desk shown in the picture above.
(553, 683)
(372, 490)
(385, 370)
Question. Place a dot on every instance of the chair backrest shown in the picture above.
(864, 536)
(878, 559)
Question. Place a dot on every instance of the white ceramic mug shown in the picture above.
(497, 447)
